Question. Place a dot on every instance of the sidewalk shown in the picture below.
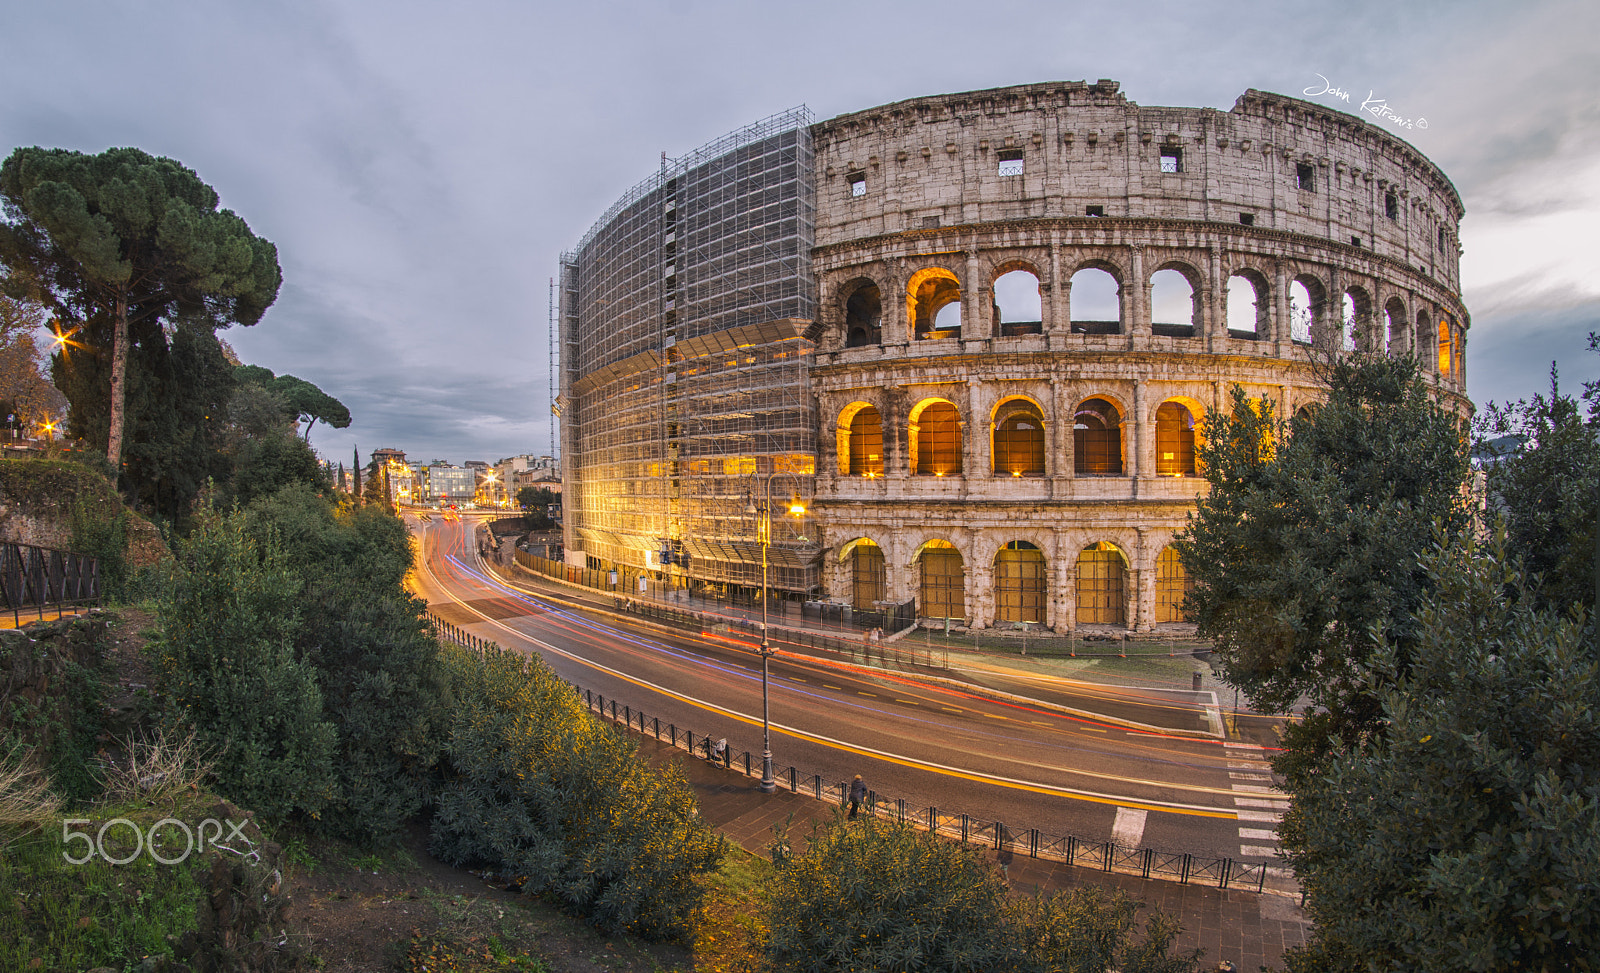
(1245, 928)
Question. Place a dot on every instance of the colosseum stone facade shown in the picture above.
(974, 333)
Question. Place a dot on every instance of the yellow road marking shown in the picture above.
(860, 693)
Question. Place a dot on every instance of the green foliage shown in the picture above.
(265, 464)
(874, 895)
(1467, 836)
(128, 248)
(296, 398)
(535, 500)
(537, 787)
(100, 530)
(377, 664)
(79, 917)
(1546, 492)
(229, 670)
(1310, 534)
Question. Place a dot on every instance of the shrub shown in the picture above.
(229, 670)
(377, 665)
(537, 787)
(876, 895)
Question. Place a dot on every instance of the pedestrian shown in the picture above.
(858, 794)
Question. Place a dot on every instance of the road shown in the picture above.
(934, 745)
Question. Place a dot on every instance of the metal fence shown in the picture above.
(36, 578)
(1106, 856)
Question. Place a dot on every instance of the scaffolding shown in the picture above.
(684, 314)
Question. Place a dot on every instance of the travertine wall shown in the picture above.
(1277, 191)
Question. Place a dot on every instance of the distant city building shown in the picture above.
(455, 484)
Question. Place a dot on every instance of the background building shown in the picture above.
(977, 332)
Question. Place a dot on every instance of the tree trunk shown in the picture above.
(119, 377)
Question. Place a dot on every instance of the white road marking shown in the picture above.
(1282, 805)
(1258, 834)
(1237, 775)
(1248, 765)
(1272, 817)
(1128, 828)
(1255, 789)
(1234, 745)
(1257, 851)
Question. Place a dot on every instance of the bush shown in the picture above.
(875, 895)
(377, 665)
(537, 787)
(228, 670)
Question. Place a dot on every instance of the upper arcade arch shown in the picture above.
(862, 303)
(1018, 444)
(1394, 327)
(1018, 302)
(933, 303)
(1095, 305)
(1249, 305)
(1097, 438)
(1174, 306)
(860, 443)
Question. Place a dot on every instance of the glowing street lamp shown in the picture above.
(763, 510)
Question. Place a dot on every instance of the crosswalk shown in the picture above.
(1260, 805)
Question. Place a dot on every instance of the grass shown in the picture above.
(57, 916)
(729, 932)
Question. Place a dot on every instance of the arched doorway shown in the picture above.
(1018, 439)
(943, 589)
(1019, 583)
(1172, 584)
(1102, 598)
(1097, 439)
(868, 577)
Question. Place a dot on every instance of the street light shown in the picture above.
(763, 510)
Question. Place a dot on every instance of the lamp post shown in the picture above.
(762, 508)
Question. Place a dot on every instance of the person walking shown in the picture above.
(858, 794)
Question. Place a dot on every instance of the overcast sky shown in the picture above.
(421, 166)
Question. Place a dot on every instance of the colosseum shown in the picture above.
(970, 336)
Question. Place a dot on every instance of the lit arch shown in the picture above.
(1017, 438)
(1020, 575)
(935, 438)
(1173, 584)
(860, 440)
(1097, 438)
(1177, 420)
(868, 573)
(931, 291)
(1102, 588)
(942, 576)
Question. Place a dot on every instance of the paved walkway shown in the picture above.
(1245, 928)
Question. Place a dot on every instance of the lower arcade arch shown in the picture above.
(941, 581)
(1102, 585)
(1173, 584)
(868, 575)
(1019, 583)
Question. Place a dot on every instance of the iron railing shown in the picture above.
(36, 578)
(1107, 856)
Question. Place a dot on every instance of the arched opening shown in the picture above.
(1097, 439)
(933, 304)
(938, 439)
(1101, 590)
(1096, 303)
(943, 588)
(866, 443)
(868, 578)
(1018, 439)
(1458, 342)
(1247, 305)
(1356, 320)
(1302, 313)
(1019, 583)
(1018, 308)
(1172, 585)
(1174, 440)
(1394, 326)
(1445, 347)
(1172, 304)
(863, 317)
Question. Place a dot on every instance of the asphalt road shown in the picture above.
(999, 760)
